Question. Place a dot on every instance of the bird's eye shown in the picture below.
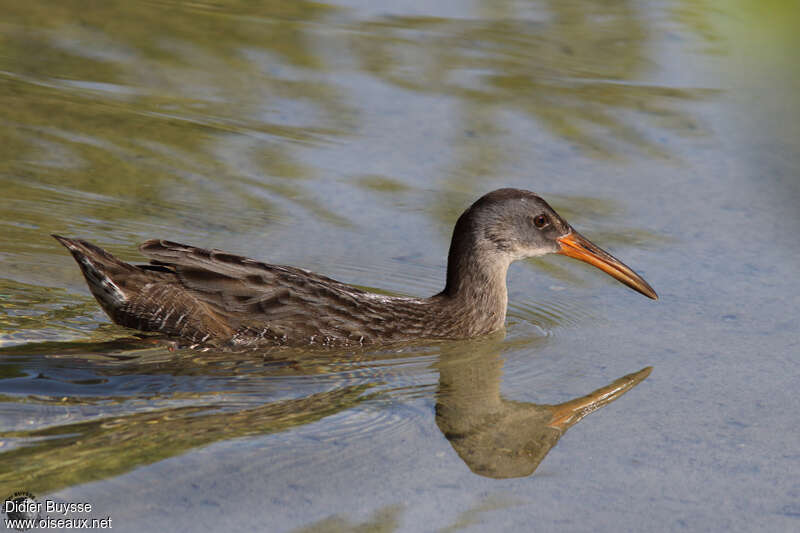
(540, 221)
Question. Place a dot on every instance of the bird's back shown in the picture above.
(213, 297)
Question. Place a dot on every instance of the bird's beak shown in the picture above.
(573, 244)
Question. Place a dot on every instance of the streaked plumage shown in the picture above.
(214, 297)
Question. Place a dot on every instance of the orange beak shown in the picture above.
(576, 245)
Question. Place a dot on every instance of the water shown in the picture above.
(347, 138)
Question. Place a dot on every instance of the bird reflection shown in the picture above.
(495, 437)
(501, 438)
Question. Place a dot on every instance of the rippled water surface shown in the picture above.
(347, 138)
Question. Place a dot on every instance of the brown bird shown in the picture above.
(211, 297)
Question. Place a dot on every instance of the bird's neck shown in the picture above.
(476, 282)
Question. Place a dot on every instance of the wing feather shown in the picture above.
(249, 294)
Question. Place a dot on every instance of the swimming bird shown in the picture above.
(211, 297)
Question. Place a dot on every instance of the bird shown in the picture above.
(209, 297)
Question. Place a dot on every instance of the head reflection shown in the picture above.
(501, 438)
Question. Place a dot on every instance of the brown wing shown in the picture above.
(255, 297)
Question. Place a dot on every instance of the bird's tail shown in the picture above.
(104, 273)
